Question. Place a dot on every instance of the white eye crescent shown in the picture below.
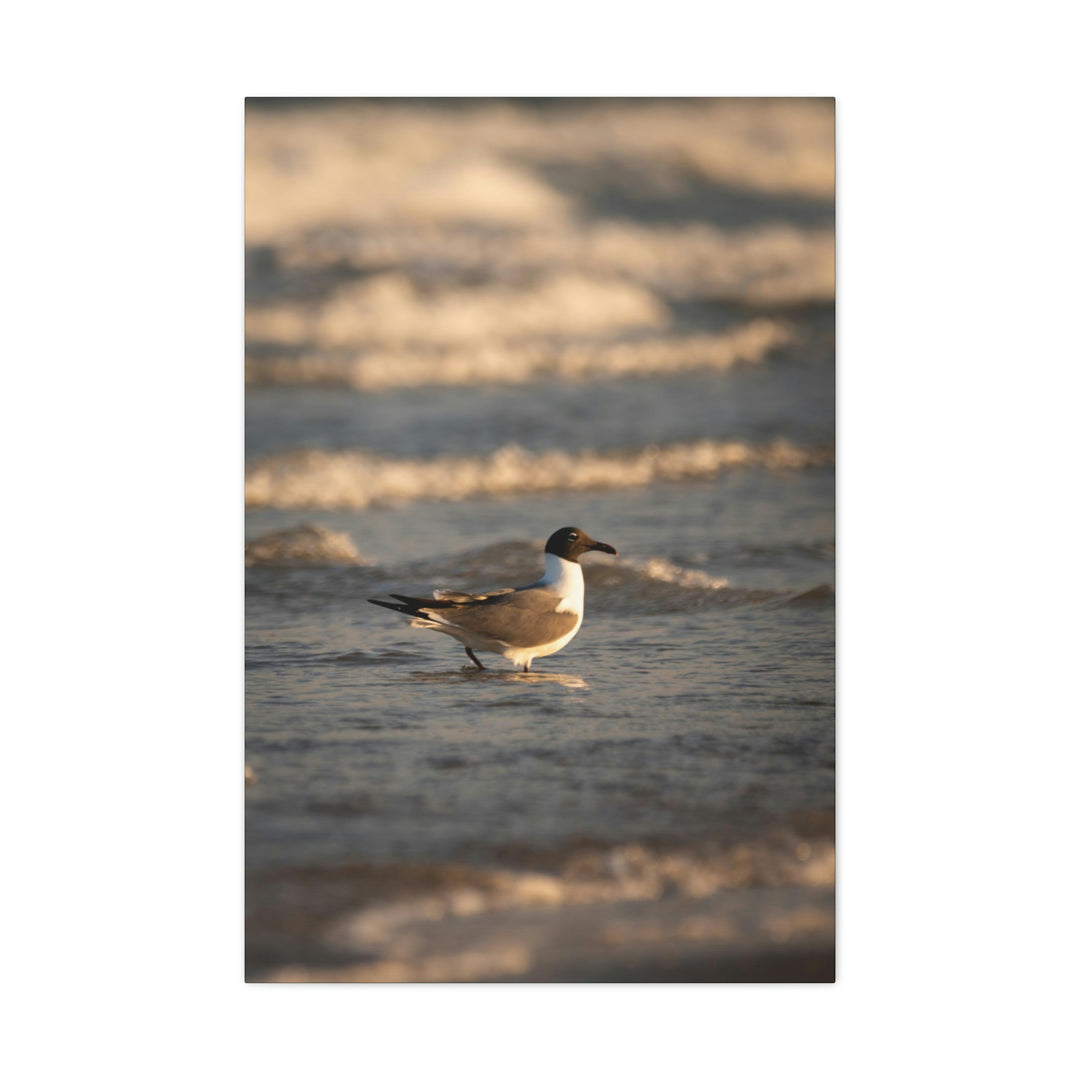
(573, 536)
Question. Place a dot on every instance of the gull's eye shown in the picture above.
(573, 536)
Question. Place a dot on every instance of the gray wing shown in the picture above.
(467, 597)
(522, 617)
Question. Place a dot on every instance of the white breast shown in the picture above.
(564, 578)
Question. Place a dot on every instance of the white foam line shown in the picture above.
(356, 479)
(516, 364)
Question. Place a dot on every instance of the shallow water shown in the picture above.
(658, 794)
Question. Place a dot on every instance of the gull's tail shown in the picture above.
(413, 605)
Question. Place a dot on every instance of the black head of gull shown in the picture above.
(521, 624)
(571, 543)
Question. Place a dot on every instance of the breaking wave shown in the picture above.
(521, 363)
(768, 264)
(510, 164)
(515, 560)
(627, 585)
(663, 570)
(303, 545)
(457, 922)
(389, 309)
(356, 479)
(655, 586)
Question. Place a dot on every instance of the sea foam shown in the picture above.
(356, 479)
(303, 545)
(480, 924)
(510, 363)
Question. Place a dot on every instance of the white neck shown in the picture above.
(565, 579)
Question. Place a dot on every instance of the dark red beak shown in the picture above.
(597, 546)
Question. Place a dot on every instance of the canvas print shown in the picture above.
(539, 552)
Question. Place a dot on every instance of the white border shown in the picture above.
(957, 237)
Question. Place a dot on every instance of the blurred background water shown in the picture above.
(470, 323)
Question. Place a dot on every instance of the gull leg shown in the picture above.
(472, 657)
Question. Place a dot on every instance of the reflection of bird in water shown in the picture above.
(520, 624)
(529, 678)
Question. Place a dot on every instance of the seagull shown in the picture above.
(520, 624)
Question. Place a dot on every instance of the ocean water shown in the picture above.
(609, 315)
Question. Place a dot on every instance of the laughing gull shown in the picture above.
(520, 624)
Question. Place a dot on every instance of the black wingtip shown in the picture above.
(383, 603)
